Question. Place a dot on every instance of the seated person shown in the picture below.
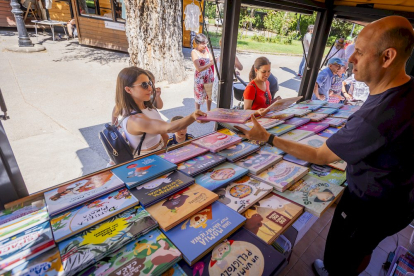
(324, 81)
(357, 92)
(71, 26)
(179, 136)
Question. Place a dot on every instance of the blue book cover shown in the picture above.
(326, 111)
(329, 132)
(297, 121)
(200, 233)
(220, 176)
(295, 160)
(238, 151)
(200, 164)
(272, 149)
(141, 171)
(281, 129)
(333, 105)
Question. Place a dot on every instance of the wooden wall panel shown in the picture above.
(6, 16)
(60, 11)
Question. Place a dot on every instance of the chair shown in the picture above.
(30, 6)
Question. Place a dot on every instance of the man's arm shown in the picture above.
(316, 92)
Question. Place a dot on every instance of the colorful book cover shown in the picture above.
(243, 193)
(314, 141)
(351, 108)
(200, 164)
(312, 193)
(334, 122)
(297, 121)
(333, 105)
(326, 111)
(278, 115)
(283, 103)
(143, 170)
(196, 236)
(296, 135)
(226, 131)
(150, 254)
(281, 129)
(91, 245)
(175, 270)
(46, 264)
(314, 127)
(271, 216)
(329, 132)
(14, 250)
(182, 154)
(342, 114)
(258, 162)
(272, 149)
(266, 123)
(282, 175)
(327, 174)
(240, 254)
(314, 102)
(217, 141)
(295, 160)
(181, 206)
(162, 187)
(238, 151)
(297, 112)
(340, 165)
(307, 106)
(220, 176)
(236, 116)
(90, 213)
(315, 117)
(22, 217)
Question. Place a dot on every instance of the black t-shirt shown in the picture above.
(377, 142)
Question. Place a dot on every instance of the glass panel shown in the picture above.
(120, 10)
(95, 8)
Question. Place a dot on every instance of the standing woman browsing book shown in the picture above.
(133, 95)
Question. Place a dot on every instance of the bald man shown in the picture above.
(377, 142)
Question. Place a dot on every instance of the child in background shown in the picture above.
(180, 136)
(335, 93)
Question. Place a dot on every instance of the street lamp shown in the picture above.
(24, 39)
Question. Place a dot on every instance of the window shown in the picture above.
(96, 8)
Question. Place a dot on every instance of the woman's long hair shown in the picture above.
(124, 103)
(259, 62)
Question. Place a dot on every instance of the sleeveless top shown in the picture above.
(150, 140)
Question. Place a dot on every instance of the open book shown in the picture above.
(282, 104)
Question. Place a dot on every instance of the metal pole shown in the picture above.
(24, 40)
(352, 31)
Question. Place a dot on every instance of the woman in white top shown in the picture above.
(338, 50)
(133, 94)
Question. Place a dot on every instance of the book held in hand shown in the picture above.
(283, 103)
(265, 122)
(238, 151)
(236, 116)
(258, 162)
(183, 153)
(280, 115)
(217, 141)
(200, 164)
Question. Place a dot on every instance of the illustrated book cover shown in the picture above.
(217, 141)
(314, 141)
(295, 160)
(271, 216)
(272, 149)
(283, 103)
(22, 217)
(240, 254)
(327, 174)
(329, 132)
(182, 154)
(314, 102)
(297, 121)
(340, 165)
(143, 170)
(243, 193)
(296, 135)
(312, 193)
(150, 254)
(91, 213)
(235, 116)
(325, 110)
(88, 247)
(307, 106)
(314, 127)
(350, 108)
(200, 164)
(280, 115)
(76, 193)
(196, 236)
(238, 151)
(282, 175)
(342, 114)
(161, 187)
(265, 123)
(281, 129)
(175, 270)
(297, 112)
(220, 175)
(180, 206)
(333, 105)
(334, 122)
(315, 117)
(258, 162)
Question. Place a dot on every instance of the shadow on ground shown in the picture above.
(288, 70)
(293, 84)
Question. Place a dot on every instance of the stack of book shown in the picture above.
(297, 121)
(260, 161)
(201, 164)
(265, 123)
(217, 141)
(183, 153)
(238, 151)
(402, 263)
(334, 122)
(279, 115)
(297, 135)
(281, 129)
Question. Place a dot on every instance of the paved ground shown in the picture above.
(58, 101)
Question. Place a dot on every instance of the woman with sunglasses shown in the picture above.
(203, 63)
(134, 90)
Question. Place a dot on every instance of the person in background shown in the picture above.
(338, 50)
(306, 44)
(180, 135)
(348, 42)
(324, 80)
(348, 52)
(71, 26)
(357, 91)
(203, 63)
(133, 95)
(335, 93)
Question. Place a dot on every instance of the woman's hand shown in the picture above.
(157, 92)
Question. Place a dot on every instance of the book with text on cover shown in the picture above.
(182, 154)
(281, 129)
(272, 149)
(334, 122)
(295, 160)
(314, 102)
(161, 187)
(180, 206)
(350, 108)
(90, 213)
(283, 103)
(314, 194)
(297, 121)
(327, 174)
(297, 112)
(238, 151)
(200, 164)
(258, 162)
(217, 141)
(235, 116)
(198, 235)
(282, 175)
(314, 141)
(307, 106)
(279, 115)
(296, 135)
(271, 216)
(243, 193)
(342, 114)
(175, 270)
(329, 132)
(333, 105)
(315, 117)
(314, 127)
(265, 122)
(143, 170)
(340, 165)
(326, 111)
(73, 194)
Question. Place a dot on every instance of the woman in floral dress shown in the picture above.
(203, 62)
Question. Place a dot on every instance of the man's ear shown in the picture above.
(388, 57)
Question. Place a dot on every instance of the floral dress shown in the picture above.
(200, 78)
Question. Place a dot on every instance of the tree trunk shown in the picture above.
(154, 32)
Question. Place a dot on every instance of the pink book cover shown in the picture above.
(234, 116)
(183, 154)
(217, 141)
(266, 122)
(279, 115)
(350, 108)
(315, 127)
(334, 122)
(316, 116)
(297, 121)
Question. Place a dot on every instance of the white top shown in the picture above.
(192, 18)
(306, 42)
(336, 53)
(359, 90)
(150, 139)
(349, 51)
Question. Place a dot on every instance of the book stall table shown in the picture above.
(209, 205)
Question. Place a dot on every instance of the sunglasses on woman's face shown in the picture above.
(144, 84)
(267, 99)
